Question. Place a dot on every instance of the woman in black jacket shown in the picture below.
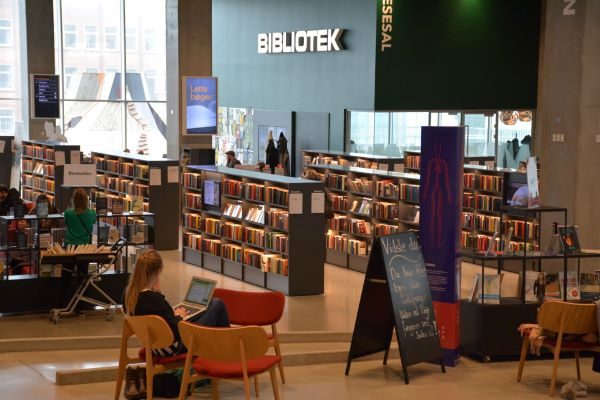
(143, 297)
(271, 153)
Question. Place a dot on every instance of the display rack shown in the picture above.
(371, 161)
(126, 176)
(39, 171)
(256, 227)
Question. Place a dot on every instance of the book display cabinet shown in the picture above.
(128, 176)
(42, 171)
(371, 161)
(260, 228)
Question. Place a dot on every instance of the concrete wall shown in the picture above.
(324, 82)
(569, 105)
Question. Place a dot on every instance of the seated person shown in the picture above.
(143, 297)
(12, 197)
(45, 224)
(3, 195)
(22, 257)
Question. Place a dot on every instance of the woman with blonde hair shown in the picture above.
(143, 297)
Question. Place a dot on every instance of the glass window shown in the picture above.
(92, 70)
(6, 77)
(131, 38)
(514, 138)
(5, 32)
(94, 125)
(7, 120)
(150, 40)
(111, 40)
(146, 128)
(70, 32)
(480, 140)
(150, 78)
(91, 37)
(406, 131)
(69, 72)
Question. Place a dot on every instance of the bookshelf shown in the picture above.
(370, 161)
(127, 176)
(248, 225)
(41, 174)
(6, 159)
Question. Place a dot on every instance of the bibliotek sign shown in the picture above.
(301, 41)
(79, 175)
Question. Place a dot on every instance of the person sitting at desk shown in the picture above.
(143, 297)
(45, 224)
(21, 261)
(79, 220)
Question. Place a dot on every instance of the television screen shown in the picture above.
(211, 193)
(45, 102)
(200, 111)
(517, 194)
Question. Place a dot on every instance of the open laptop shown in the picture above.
(197, 298)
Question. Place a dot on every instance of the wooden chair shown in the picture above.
(226, 353)
(255, 308)
(154, 333)
(564, 319)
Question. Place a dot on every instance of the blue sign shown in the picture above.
(201, 105)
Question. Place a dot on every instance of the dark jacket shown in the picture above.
(11, 199)
(272, 155)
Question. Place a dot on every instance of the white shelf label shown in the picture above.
(295, 203)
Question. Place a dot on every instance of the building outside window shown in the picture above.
(91, 37)
(7, 120)
(111, 41)
(6, 77)
(5, 32)
(150, 40)
(70, 36)
(68, 75)
(131, 38)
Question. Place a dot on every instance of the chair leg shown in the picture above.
(523, 357)
(149, 383)
(215, 388)
(185, 383)
(247, 387)
(274, 383)
(577, 365)
(554, 370)
(278, 351)
(256, 385)
(120, 377)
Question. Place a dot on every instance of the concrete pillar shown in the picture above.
(569, 105)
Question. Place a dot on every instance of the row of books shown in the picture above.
(468, 200)
(467, 220)
(191, 180)
(38, 152)
(335, 181)
(359, 226)
(385, 229)
(254, 236)
(360, 185)
(232, 252)
(277, 241)
(192, 200)
(211, 246)
(278, 219)
(491, 183)
(38, 182)
(364, 207)
(338, 223)
(130, 169)
(412, 161)
(211, 225)
(385, 210)
(191, 220)
(233, 210)
(31, 195)
(339, 202)
(469, 180)
(409, 192)
(256, 214)
(127, 169)
(192, 240)
(487, 223)
(232, 187)
(386, 188)
(277, 196)
(232, 231)
(255, 192)
(39, 168)
(520, 228)
(540, 286)
(481, 243)
(345, 244)
(488, 203)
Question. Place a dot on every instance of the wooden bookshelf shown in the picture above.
(125, 176)
(39, 172)
(245, 228)
(370, 161)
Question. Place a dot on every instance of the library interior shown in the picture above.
(354, 199)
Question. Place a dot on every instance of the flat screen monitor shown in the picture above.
(516, 191)
(211, 193)
(45, 99)
(200, 105)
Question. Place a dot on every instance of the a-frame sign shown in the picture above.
(396, 295)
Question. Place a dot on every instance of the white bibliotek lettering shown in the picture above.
(386, 24)
(320, 40)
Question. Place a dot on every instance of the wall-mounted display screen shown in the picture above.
(45, 100)
(200, 105)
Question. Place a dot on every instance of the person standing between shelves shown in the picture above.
(80, 220)
(143, 297)
(231, 160)
(271, 153)
(284, 155)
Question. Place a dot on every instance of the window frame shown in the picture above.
(9, 29)
(87, 35)
(116, 38)
(11, 76)
(69, 32)
(12, 111)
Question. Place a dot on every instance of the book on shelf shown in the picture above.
(137, 204)
(117, 206)
(552, 289)
(360, 185)
(569, 238)
(589, 286)
(571, 288)
(101, 205)
(354, 206)
(535, 286)
(256, 214)
(489, 288)
(233, 210)
(365, 207)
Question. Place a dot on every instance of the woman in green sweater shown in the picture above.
(79, 220)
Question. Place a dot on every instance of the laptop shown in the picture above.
(197, 298)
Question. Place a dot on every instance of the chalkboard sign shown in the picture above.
(396, 294)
